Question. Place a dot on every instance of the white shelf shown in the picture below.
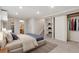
(47, 25)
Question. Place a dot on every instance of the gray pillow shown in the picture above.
(15, 37)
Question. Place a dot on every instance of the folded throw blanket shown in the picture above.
(28, 42)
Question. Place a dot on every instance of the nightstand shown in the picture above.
(3, 50)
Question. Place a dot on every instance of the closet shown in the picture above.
(73, 26)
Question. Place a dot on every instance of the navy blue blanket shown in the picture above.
(37, 37)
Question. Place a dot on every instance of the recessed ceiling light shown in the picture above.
(52, 6)
(37, 12)
(16, 13)
(20, 7)
(21, 21)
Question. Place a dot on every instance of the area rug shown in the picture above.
(44, 48)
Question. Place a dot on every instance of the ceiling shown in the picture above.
(30, 11)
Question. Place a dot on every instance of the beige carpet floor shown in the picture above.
(44, 48)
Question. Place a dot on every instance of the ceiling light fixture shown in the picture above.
(20, 7)
(21, 21)
(37, 12)
(16, 13)
(52, 6)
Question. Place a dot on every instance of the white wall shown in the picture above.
(34, 25)
(27, 27)
(39, 26)
(61, 28)
(16, 26)
(30, 25)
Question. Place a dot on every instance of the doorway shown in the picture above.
(21, 28)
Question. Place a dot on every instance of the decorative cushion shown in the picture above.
(8, 36)
(15, 37)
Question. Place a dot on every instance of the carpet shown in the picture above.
(44, 48)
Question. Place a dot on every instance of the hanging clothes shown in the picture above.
(69, 23)
(78, 24)
(72, 23)
(75, 25)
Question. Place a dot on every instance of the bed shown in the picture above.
(31, 41)
(20, 42)
(39, 38)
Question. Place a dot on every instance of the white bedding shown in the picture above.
(28, 42)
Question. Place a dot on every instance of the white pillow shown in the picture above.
(9, 37)
(2, 40)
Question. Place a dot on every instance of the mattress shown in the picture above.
(37, 37)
